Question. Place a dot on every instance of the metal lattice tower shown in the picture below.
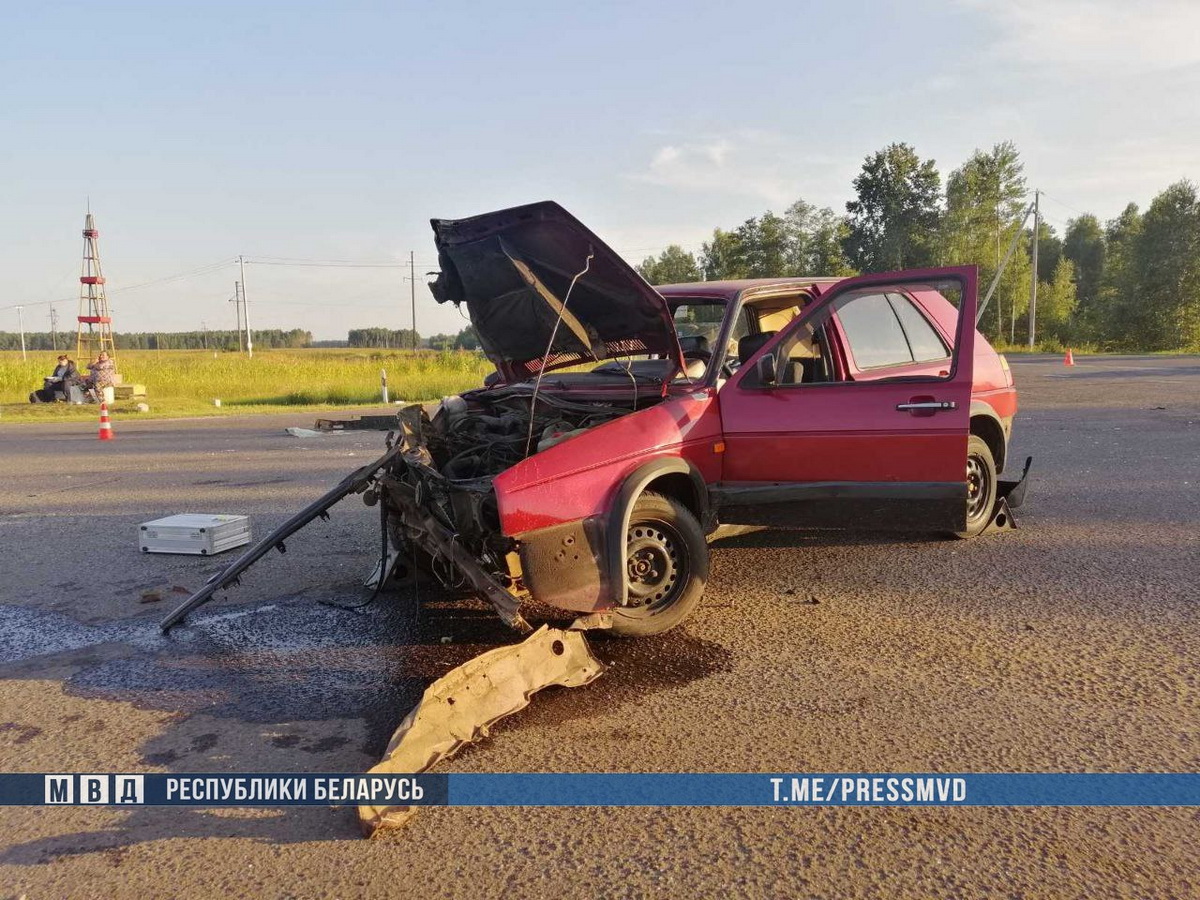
(95, 319)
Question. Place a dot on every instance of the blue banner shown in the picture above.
(593, 789)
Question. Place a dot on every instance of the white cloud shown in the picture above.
(756, 165)
(1118, 37)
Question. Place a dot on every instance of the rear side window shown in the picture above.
(925, 343)
(873, 332)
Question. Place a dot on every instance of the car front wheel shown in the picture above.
(981, 486)
(666, 567)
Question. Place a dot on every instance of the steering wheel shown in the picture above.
(706, 356)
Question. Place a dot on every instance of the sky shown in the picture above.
(334, 132)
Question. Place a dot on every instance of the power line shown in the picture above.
(329, 264)
(325, 305)
(1061, 203)
(203, 270)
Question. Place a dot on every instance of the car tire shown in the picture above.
(667, 566)
(981, 487)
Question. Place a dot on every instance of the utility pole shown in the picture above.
(999, 304)
(54, 328)
(412, 278)
(246, 303)
(21, 325)
(237, 305)
(204, 328)
(1037, 227)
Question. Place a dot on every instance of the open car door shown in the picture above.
(858, 413)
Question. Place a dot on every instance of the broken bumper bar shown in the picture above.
(440, 542)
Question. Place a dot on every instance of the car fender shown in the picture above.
(983, 409)
(619, 514)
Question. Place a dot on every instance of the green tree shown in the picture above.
(814, 241)
(1166, 314)
(893, 223)
(1100, 317)
(723, 256)
(384, 338)
(1056, 302)
(764, 243)
(1083, 245)
(1050, 251)
(673, 266)
(985, 203)
(466, 339)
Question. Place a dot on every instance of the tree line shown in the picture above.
(266, 339)
(384, 338)
(64, 341)
(1131, 283)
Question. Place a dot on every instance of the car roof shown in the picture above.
(728, 290)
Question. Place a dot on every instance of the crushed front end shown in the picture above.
(438, 494)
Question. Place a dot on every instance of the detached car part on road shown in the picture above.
(868, 402)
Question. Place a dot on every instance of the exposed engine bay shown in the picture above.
(437, 495)
(482, 434)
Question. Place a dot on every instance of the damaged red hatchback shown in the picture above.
(626, 424)
(865, 402)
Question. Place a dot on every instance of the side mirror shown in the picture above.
(766, 369)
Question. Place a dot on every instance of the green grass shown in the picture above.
(185, 382)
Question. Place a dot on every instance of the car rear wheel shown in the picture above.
(981, 486)
(666, 567)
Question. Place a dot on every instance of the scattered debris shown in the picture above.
(357, 423)
(307, 432)
(355, 483)
(459, 707)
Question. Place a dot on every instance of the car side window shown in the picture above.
(925, 343)
(873, 333)
(802, 358)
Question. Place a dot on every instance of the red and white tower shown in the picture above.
(95, 320)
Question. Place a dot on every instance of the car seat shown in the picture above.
(752, 343)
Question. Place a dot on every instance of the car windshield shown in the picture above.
(698, 323)
(698, 320)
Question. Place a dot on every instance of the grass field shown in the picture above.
(185, 382)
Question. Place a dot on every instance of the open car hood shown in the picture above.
(514, 268)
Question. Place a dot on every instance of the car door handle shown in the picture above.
(926, 405)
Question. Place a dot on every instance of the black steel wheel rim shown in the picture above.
(656, 566)
(979, 488)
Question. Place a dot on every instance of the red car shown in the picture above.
(626, 423)
(867, 402)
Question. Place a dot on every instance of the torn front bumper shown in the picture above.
(462, 705)
(430, 535)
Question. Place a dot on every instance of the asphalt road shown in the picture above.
(1069, 645)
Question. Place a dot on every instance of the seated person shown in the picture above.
(102, 371)
(54, 387)
(696, 354)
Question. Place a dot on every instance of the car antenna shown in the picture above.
(632, 379)
(554, 333)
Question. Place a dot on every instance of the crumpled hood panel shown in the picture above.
(513, 270)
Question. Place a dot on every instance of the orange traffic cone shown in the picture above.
(1069, 359)
(106, 432)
